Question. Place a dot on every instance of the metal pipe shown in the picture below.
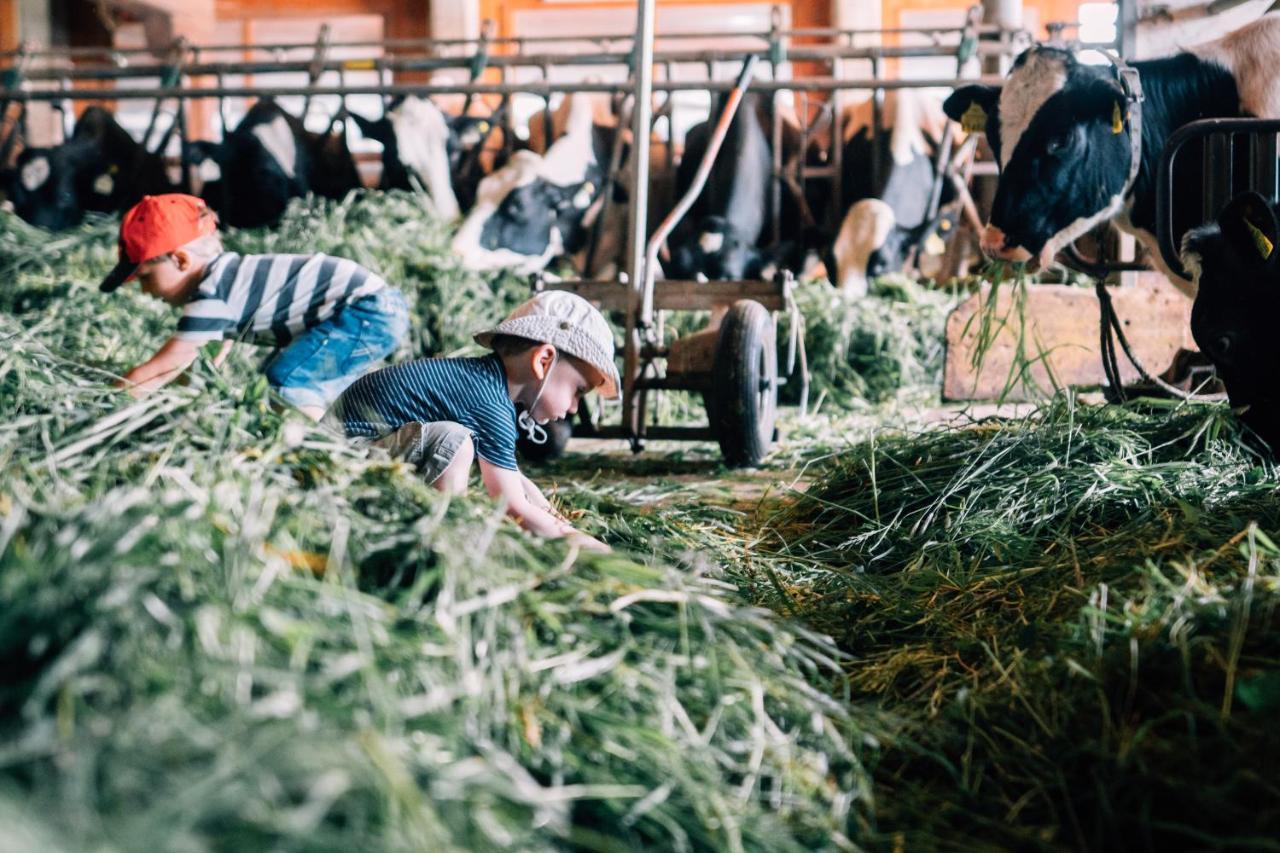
(431, 44)
(699, 179)
(637, 219)
(802, 53)
(811, 84)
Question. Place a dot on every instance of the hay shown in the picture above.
(225, 629)
(1075, 617)
(870, 349)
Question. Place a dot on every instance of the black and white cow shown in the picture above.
(417, 144)
(268, 159)
(889, 217)
(720, 235)
(537, 207)
(100, 168)
(1060, 131)
(1235, 264)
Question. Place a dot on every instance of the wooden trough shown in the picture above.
(1056, 331)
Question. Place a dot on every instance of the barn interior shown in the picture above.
(922, 533)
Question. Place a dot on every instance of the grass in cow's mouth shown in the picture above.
(989, 321)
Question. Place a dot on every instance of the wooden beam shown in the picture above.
(1058, 327)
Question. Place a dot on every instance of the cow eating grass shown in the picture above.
(1060, 131)
(536, 208)
(889, 220)
(1236, 269)
(417, 143)
(267, 160)
(100, 168)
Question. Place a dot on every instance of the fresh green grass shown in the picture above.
(228, 630)
(225, 629)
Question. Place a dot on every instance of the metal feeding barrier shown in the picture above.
(1235, 155)
(732, 361)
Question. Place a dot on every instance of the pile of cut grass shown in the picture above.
(870, 349)
(1075, 618)
(225, 629)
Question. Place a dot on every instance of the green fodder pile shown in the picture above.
(224, 629)
(870, 348)
(1074, 617)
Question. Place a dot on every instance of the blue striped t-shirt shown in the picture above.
(270, 299)
(467, 391)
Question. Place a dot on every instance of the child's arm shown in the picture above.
(170, 360)
(510, 486)
(538, 499)
(223, 352)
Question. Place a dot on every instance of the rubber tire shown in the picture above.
(742, 403)
(558, 433)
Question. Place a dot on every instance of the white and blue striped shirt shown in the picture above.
(467, 391)
(270, 299)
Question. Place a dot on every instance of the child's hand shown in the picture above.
(587, 543)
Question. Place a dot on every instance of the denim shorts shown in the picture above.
(319, 364)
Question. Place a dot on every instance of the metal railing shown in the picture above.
(1238, 154)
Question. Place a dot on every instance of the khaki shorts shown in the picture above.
(429, 447)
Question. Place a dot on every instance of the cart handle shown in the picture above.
(677, 213)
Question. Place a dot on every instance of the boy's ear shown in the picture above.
(543, 356)
(1251, 231)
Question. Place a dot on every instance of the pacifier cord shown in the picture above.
(534, 430)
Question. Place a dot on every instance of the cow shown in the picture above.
(1061, 134)
(889, 218)
(537, 207)
(720, 235)
(1235, 266)
(268, 159)
(100, 168)
(417, 142)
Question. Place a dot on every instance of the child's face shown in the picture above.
(165, 277)
(566, 385)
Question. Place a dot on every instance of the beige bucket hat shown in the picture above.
(569, 323)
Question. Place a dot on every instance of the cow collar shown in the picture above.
(1131, 83)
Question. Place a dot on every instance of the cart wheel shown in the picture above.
(558, 433)
(742, 402)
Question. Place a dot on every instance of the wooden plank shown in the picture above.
(678, 295)
(1061, 330)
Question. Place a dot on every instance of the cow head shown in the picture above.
(46, 185)
(1235, 263)
(534, 208)
(1060, 134)
(716, 251)
(416, 141)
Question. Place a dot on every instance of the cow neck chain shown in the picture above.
(1131, 83)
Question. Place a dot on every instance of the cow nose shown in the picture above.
(993, 246)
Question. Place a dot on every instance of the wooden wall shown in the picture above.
(8, 24)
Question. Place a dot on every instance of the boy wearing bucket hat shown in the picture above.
(330, 319)
(441, 414)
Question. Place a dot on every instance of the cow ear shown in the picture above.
(972, 106)
(1252, 231)
(369, 128)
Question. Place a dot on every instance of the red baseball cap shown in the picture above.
(156, 226)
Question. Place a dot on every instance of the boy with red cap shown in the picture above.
(329, 318)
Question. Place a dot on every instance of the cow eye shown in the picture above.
(1060, 143)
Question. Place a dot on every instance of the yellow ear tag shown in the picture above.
(1117, 120)
(483, 127)
(974, 119)
(1265, 246)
